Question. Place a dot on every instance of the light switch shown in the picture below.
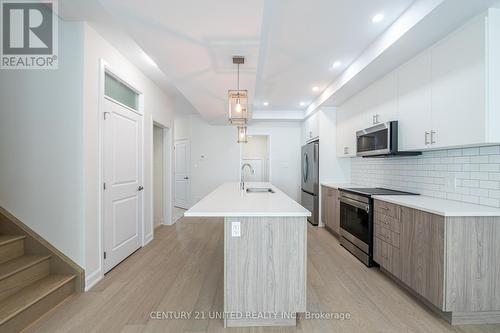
(235, 229)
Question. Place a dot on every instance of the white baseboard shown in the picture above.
(92, 279)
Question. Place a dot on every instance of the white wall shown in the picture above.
(158, 107)
(284, 154)
(158, 179)
(256, 153)
(215, 155)
(255, 148)
(41, 146)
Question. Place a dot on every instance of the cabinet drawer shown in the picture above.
(387, 221)
(386, 234)
(387, 256)
(387, 208)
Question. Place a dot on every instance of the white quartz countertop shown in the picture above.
(341, 185)
(228, 201)
(438, 206)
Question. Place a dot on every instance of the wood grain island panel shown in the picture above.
(265, 266)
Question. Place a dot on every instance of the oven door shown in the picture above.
(355, 222)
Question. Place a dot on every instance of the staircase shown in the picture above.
(28, 286)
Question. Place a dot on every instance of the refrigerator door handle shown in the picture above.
(305, 170)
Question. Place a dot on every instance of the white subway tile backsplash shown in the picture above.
(491, 150)
(471, 167)
(479, 175)
(470, 199)
(455, 152)
(489, 184)
(479, 159)
(494, 194)
(489, 202)
(470, 183)
(470, 151)
(490, 167)
(468, 175)
(494, 158)
(479, 192)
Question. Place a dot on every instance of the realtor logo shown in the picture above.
(29, 34)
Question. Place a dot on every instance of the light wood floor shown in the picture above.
(182, 270)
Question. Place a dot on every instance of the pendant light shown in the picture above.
(238, 99)
(242, 134)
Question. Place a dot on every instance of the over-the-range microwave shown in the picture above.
(380, 141)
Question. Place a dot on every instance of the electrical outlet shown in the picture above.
(235, 229)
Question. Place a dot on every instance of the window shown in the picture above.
(118, 91)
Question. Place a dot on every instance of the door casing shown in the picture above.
(105, 67)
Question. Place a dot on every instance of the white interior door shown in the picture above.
(182, 173)
(123, 195)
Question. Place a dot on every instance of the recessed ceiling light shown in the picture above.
(336, 64)
(315, 88)
(265, 103)
(302, 103)
(377, 18)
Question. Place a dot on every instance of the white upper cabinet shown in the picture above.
(376, 104)
(414, 103)
(386, 107)
(310, 128)
(350, 118)
(458, 87)
(445, 97)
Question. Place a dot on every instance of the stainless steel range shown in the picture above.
(356, 220)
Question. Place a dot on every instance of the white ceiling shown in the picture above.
(289, 45)
(304, 38)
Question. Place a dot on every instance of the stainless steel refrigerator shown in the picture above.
(310, 180)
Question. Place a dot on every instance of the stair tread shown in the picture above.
(23, 299)
(13, 266)
(6, 239)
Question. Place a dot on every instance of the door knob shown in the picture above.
(140, 188)
(186, 177)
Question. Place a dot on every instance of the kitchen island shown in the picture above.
(265, 253)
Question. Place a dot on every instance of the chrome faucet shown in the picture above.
(242, 178)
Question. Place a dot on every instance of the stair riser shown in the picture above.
(11, 250)
(16, 282)
(23, 319)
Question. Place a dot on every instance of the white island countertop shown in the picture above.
(438, 206)
(229, 201)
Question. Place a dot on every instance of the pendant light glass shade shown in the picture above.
(242, 134)
(238, 107)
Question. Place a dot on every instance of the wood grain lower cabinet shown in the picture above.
(330, 209)
(451, 262)
(387, 256)
(422, 253)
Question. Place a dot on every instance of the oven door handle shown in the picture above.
(356, 204)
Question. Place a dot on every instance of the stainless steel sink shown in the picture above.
(259, 190)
